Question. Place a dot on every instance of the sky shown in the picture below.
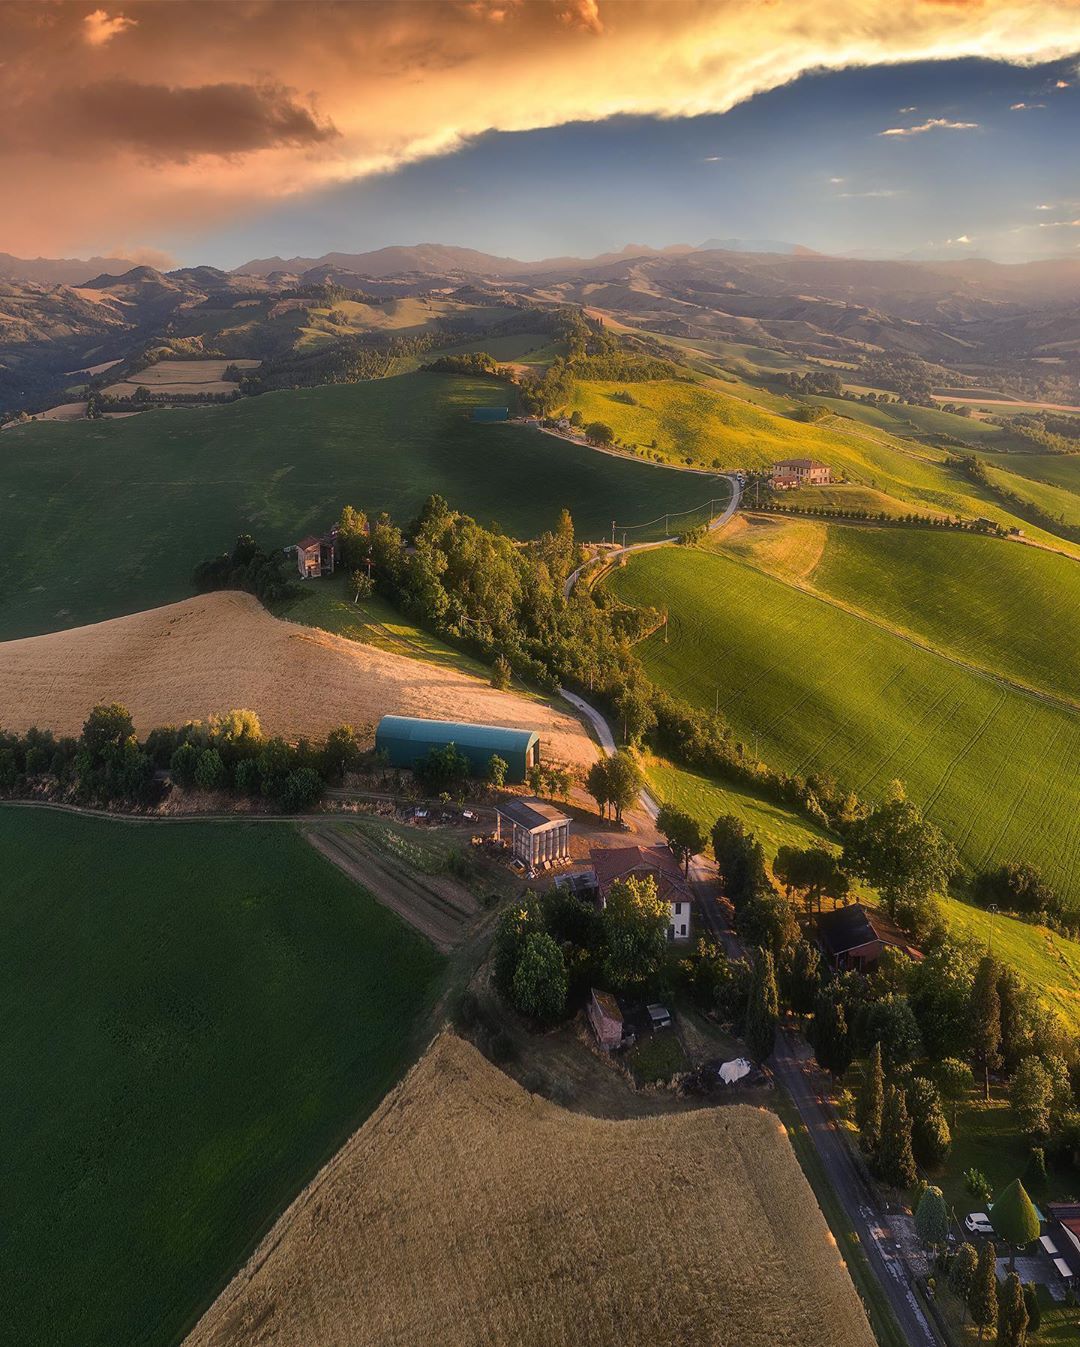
(195, 133)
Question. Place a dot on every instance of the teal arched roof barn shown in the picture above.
(406, 739)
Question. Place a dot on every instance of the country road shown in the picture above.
(795, 1069)
(605, 558)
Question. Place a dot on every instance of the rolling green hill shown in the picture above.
(105, 518)
(1012, 609)
(815, 688)
(1060, 502)
(196, 1016)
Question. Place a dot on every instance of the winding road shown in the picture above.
(606, 558)
(795, 1069)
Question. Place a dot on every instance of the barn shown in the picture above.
(406, 739)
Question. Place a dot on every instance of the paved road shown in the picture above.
(796, 1070)
(608, 557)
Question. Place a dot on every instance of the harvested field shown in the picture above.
(181, 376)
(222, 651)
(438, 906)
(468, 1211)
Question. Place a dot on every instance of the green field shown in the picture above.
(815, 688)
(104, 518)
(1012, 609)
(195, 1016)
(1060, 502)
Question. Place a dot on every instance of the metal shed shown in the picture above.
(406, 739)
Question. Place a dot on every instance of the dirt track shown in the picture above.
(219, 652)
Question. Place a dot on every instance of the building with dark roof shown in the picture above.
(407, 739)
(655, 862)
(539, 832)
(1065, 1226)
(316, 556)
(855, 937)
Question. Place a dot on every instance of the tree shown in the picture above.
(891, 1022)
(1034, 1309)
(300, 790)
(599, 432)
(932, 1218)
(634, 704)
(762, 1007)
(1012, 1313)
(340, 753)
(497, 769)
(182, 765)
(766, 918)
(962, 1272)
(683, 833)
(955, 1079)
(540, 982)
(352, 538)
(209, 770)
(361, 585)
(871, 1102)
(501, 673)
(901, 853)
(830, 1034)
(982, 1301)
(930, 1135)
(985, 1020)
(739, 858)
(625, 782)
(1014, 1218)
(803, 978)
(1031, 1095)
(894, 1162)
(813, 871)
(598, 785)
(106, 727)
(442, 768)
(635, 925)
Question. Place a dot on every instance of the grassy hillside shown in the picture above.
(1012, 609)
(1060, 502)
(196, 1015)
(471, 1212)
(108, 518)
(814, 688)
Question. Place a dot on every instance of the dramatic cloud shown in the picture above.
(931, 124)
(160, 122)
(99, 28)
(191, 112)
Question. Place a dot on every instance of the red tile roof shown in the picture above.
(311, 541)
(612, 863)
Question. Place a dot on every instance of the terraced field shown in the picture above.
(102, 519)
(815, 688)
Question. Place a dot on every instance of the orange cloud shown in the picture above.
(195, 114)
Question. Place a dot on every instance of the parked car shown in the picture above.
(978, 1223)
(659, 1016)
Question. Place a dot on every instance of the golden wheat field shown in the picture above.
(223, 651)
(467, 1211)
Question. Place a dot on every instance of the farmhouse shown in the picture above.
(539, 833)
(656, 862)
(316, 556)
(406, 739)
(800, 472)
(854, 937)
(606, 1019)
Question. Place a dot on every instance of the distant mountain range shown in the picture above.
(59, 270)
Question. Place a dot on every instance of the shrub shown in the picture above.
(301, 789)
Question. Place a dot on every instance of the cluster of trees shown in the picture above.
(910, 378)
(901, 1126)
(614, 783)
(108, 763)
(1013, 1308)
(815, 382)
(247, 567)
(475, 363)
(97, 404)
(550, 951)
(366, 355)
(1020, 889)
(1056, 434)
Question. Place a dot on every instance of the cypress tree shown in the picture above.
(894, 1162)
(1012, 1314)
(962, 1273)
(986, 1020)
(763, 1007)
(1014, 1218)
(871, 1102)
(983, 1300)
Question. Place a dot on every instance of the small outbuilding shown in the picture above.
(407, 739)
(856, 936)
(539, 832)
(316, 556)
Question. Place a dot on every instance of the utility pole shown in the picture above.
(992, 909)
(613, 533)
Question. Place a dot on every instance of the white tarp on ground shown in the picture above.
(735, 1070)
